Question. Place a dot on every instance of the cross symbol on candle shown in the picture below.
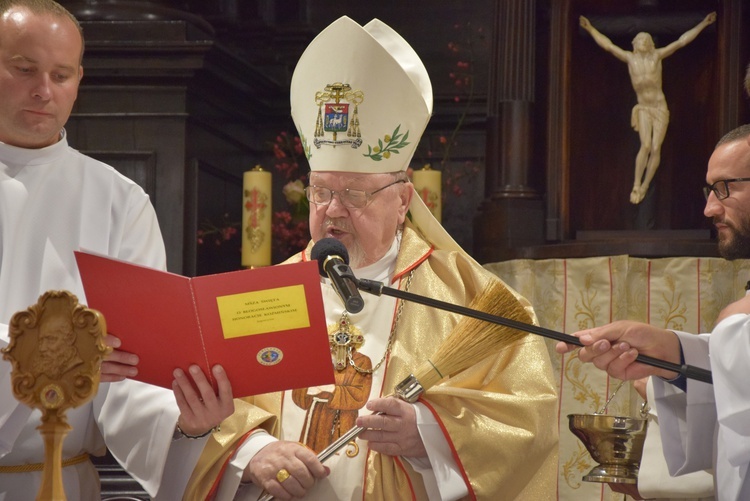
(428, 198)
(255, 204)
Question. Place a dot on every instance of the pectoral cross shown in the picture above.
(343, 337)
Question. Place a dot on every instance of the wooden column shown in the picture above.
(731, 65)
(558, 110)
(509, 197)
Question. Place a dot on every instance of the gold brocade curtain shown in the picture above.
(568, 295)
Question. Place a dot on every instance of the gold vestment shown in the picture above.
(499, 416)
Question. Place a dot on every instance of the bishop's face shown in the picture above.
(731, 216)
(367, 232)
(39, 74)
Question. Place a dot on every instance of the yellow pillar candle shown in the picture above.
(256, 218)
(428, 185)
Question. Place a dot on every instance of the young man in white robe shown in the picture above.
(54, 201)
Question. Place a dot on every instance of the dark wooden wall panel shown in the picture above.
(127, 138)
(140, 166)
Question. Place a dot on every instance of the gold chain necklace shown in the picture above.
(343, 337)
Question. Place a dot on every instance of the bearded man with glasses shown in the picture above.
(728, 194)
(702, 426)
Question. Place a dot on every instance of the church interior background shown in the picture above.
(531, 133)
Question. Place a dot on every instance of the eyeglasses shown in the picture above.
(721, 187)
(355, 199)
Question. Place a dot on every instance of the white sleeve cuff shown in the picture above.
(439, 471)
(230, 486)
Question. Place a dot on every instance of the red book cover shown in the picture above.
(265, 326)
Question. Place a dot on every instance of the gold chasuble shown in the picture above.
(499, 417)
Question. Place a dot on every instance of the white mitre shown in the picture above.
(361, 99)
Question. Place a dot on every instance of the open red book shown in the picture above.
(265, 326)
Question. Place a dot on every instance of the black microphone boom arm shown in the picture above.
(378, 289)
(347, 289)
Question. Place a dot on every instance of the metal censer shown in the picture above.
(614, 442)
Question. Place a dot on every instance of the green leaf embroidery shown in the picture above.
(306, 148)
(393, 143)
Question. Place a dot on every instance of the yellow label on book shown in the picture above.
(260, 312)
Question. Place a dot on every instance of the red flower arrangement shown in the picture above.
(217, 233)
(290, 227)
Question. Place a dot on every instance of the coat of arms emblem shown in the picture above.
(338, 113)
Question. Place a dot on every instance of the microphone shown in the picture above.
(333, 262)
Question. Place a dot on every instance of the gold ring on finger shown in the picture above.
(282, 475)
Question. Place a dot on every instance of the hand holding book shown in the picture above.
(265, 326)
